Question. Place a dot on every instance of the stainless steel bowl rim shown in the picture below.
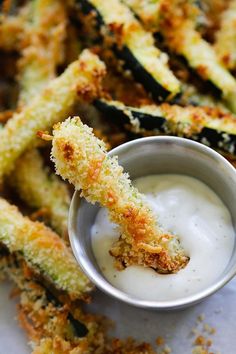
(100, 281)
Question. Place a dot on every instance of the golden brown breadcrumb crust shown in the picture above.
(11, 32)
(42, 49)
(43, 250)
(81, 158)
(42, 190)
(225, 37)
(80, 81)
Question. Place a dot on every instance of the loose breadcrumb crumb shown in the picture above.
(160, 341)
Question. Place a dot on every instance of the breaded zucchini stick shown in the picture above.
(44, 50)
(45, 314)
(52, 323)
(177, 24)
(43, 250)
(225, 44)
(42, 190)
(81, 80)
(82, 159)
(119, 27)
(147, 11)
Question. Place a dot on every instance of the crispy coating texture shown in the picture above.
(82, 159)
(46, 315)
(176, 20)
(177, 25)
(43, 47)
(53, 324)
(11, 31)
(80, 81)
(225, 44)
(42, 190)
(43, 250)
(184, 121)
(43, 51)
(127, 31)
(147, 11)
(116, 346)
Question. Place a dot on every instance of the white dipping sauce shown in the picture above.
(188, 208)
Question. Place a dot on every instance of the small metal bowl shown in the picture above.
(147, 156)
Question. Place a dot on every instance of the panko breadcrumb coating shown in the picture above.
(42, 190)
(123, 29)
(80, 81)
(43, 47)
(41, 55)
(176, 20)
(147, 11)
(12, 31)
(82, 159)
(177, 24)
(225, 44)
(54, 325)
(45, 315)
(43, 250)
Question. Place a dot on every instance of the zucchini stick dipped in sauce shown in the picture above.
(135, 46)
(210, 126)
(176, 19)
(225, 37)
(80, 81)
(82, 159)
(43, 250)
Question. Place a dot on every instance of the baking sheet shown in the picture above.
(175, 327)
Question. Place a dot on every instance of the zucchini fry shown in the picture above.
(45, 314)
(225, 44)
(42, 190)
(191, 96)
(44, 50)
(135, 46)
(178, 28)
(43, 251)
(210, 126)
(147, 11)
(82, 159)
(54, 325)
(80, 81)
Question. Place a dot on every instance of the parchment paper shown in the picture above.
(175, 327)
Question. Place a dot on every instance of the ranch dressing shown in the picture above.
(184, 206)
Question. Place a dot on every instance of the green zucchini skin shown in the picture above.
(140, 74)
(146, 121)
(80, 329)
(217, 139)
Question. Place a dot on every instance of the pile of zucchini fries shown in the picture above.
(130, 68)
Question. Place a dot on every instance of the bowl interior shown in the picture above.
(157, 155)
